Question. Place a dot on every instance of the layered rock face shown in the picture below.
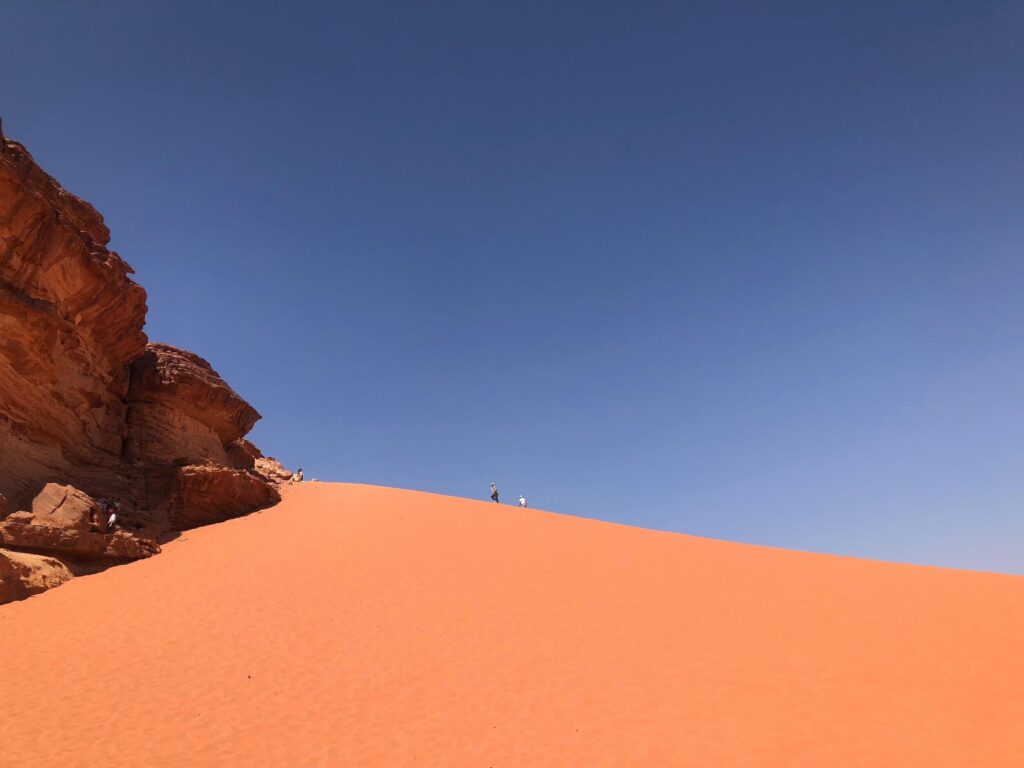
(179, 409)
(119, 545)
(88, 409)
(184, 426)
(70, 323)
(62, 506)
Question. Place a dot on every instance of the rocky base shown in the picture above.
(23, 574)
(120, 545)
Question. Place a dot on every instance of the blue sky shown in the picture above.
(744, 270)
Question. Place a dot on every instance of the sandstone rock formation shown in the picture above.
(87, 407)
(184, 424)
(62, 506)
(23, 574)
(119, 545)
(179, 409)
(70, 323)
(199, 494)
(244, 455)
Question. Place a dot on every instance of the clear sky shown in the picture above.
(739, 269)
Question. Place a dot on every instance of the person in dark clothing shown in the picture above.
(110, 510)
(97, 513)
(494, 493)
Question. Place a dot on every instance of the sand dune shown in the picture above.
(361, 626)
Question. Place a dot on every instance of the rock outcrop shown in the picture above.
(119, 545)
(70, 323)
(89, 408)
(199, 494)
(184, 426)
(180, 409)
(23, 574)
(62, 506)
(244, 455)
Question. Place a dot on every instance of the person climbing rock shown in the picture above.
(522, 501)
(494, 493)
(111, 510)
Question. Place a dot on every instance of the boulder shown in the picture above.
(273, 471)
(62, 506)
(245, 455)
(23, 574)
(119, 545)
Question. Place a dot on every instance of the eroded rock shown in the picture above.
(23, 574)
(62, 506)
(180, 409)
(201, 494)
(119, 545)
(245, 455)
(87, 407)
(70, 323)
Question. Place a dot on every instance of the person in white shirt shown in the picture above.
(494, 493)
(522, 501)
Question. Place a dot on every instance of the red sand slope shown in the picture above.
(359, 626)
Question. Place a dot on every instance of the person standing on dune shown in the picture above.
(522, 502)
(494, 493)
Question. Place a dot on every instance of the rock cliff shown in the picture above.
(89, 409)
(70, 323)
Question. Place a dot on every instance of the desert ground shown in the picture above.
(353, 625)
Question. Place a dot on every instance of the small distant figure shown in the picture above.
(297, 477)
(97, 513)
(110, 508)
(522, 501)
(494, 493)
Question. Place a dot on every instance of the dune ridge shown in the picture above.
(354, 625)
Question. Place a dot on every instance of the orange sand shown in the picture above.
(360, 626)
